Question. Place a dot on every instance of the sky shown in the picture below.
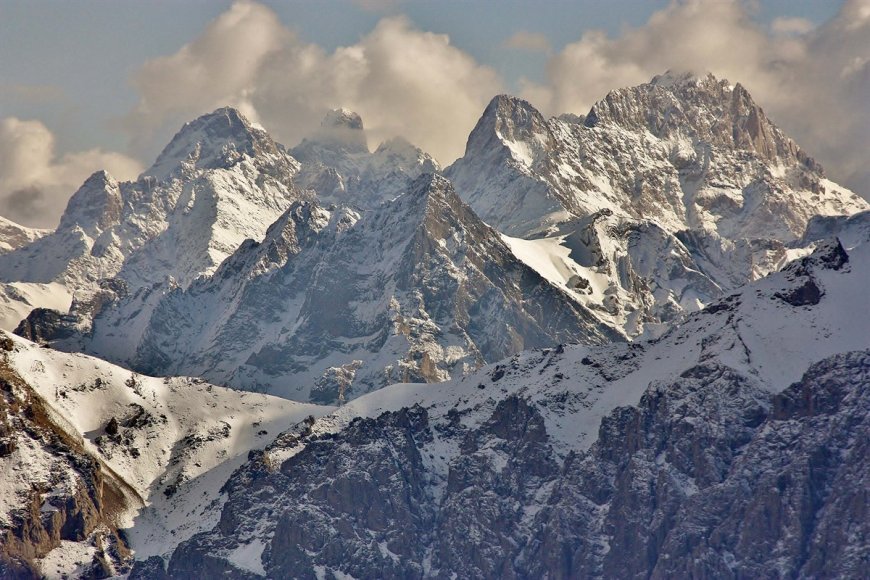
(104, 84)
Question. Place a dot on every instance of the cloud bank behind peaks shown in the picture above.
(401, 80)
(813, 82)
(35, 183)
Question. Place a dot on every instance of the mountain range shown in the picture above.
(627, 343)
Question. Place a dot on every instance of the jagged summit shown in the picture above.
(429, 198)
(696, 189)
(215, 140)
(515, 123)
(218, 182)
(685, 150)
(344, 118)
(337, 164)
(506, 106)
(673, 77)
(701, 107)
(391, 295)
(95, 206)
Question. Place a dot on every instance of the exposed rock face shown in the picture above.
(43, 325)
(706, 477)
(713, 494)
(686, 456)
(54, 495)
(737, 435)
(850, 230)
(87, 448)
(685, 152)
(804, 290)
(418, 290)
(95, 207)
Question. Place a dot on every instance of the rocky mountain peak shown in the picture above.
(342, 118)
(430, 189)
(218, 139)
(515, 124)
(672, 78)
(701, 107)
(400, 152)
(341, 132)
(336, 163)
(95, 206)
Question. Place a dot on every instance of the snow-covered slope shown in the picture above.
(219, 181)
(332, 304)
(171, 442)
(13, 235)
(665, 458)
(668, 194)
(18, 298)
(336, 164)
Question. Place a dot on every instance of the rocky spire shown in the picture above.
(511, 120)
(95, 207)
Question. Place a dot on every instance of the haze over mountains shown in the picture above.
(706, 274)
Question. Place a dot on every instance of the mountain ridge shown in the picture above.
(394, 292)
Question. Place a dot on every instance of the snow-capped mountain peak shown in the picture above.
(212, 141)
(515, 124)
(337, 164)
(685, 162)
(672, 77)
(341, 133)
(701, 107)
(342, 118)
(399, 152)
(95, 207)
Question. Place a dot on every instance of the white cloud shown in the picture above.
(528, 41)
(35, 183)
(813, 83)
(401, 80)
(216, 69)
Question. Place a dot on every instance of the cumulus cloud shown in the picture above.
(528, 41)
(401, 80)
(216, 69)
(35, 182)
(813, 82)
